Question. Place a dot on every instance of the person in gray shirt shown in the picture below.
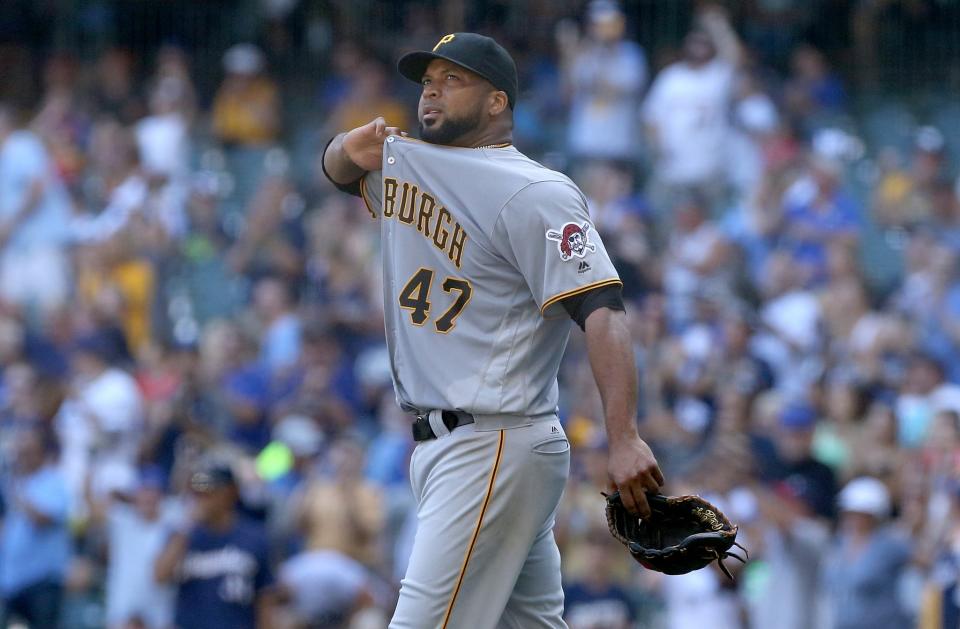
(863, 569)
(486, 257)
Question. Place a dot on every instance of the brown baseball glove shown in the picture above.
(683, 533)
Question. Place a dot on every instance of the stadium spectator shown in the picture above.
(101, 420)
(281, 328)
(34, 210)
(817, 214)
(753, 136)
(219, 562)
(164, 148)
(342, 511)
(924, 393)
(114, 90)
(273, 240)
(605, 74)
(212, 290)
(940, 607)
(136, 522)
(35, 543)
(61, 121)
(695, 261)
(813, 93)
(905, 197)
(368, 96)
(797, 472)
(323, 383)
(242, 391)
(594, 601)
(329, 590)
(246, 109)
(792, 539)
(686, 112)
(867, 560)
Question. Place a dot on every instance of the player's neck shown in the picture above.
(490, 136)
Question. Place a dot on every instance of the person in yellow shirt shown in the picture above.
(368, 97)
(246, 108)
(344, 512)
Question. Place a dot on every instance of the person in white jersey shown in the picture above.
(487, 255)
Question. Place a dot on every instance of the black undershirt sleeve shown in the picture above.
(580, 306)
(349, 188)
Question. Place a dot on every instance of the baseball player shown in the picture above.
(487, 255)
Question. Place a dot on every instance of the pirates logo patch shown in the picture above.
(572, 241)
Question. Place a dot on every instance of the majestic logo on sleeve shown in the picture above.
(572, 240)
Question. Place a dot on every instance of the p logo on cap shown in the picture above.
(446, 39)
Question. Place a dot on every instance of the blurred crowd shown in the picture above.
(197, 422)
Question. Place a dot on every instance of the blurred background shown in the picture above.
(180, 286)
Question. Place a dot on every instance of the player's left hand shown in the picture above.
(364, 145)
(633, 471)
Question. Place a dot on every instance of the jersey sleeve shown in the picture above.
(371, 191)
(546, 233)
(367, 187)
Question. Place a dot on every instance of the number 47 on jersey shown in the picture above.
(415, 297)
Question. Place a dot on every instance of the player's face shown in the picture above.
(576, 242)
(451, 103)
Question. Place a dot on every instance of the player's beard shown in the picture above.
(451, 128)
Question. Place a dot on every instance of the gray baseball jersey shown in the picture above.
(479, 246)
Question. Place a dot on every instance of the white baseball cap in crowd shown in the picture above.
(299, 433)
(866, 495)
(600, 10)
(243, 59)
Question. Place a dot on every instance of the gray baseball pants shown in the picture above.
(484, 556)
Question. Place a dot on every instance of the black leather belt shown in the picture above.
(451, 419)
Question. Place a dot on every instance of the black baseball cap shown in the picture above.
(472, 51)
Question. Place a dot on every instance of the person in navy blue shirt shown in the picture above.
(220, 563)
(595, 600)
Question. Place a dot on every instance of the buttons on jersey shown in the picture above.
(391, 160)
(391, 138)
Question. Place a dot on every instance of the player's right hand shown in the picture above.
(364, 145)
(633, 472)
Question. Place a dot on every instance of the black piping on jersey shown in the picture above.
(610, 281)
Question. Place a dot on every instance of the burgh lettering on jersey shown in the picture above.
(407, 203)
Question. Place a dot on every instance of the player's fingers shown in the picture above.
(379, 126)
(658, 476)
(626, 497)
(393, 131)
(641, 506)
(649, 483)
(633, 498)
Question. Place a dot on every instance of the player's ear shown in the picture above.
(497, 103)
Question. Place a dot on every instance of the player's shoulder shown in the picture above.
(530, 175)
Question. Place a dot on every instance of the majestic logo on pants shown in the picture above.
(572, 240)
